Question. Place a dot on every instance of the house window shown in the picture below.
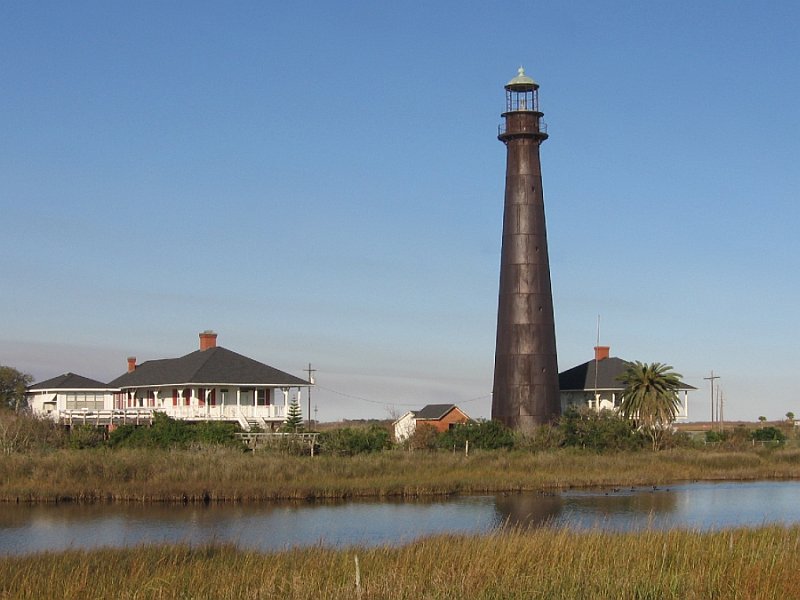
(85, 400)
(261, 397)
(187, 397)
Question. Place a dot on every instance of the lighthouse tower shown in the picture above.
(525, 370)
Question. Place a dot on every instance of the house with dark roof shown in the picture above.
(596, 384)
(68, 392)
(211, 383)
(438, 416)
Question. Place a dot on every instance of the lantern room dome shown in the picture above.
(521, 83)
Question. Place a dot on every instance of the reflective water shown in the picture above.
(26, 529)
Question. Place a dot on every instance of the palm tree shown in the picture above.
(650, 397)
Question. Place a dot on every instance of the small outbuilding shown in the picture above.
(440, 417)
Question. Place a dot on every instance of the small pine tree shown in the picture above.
(294, 418)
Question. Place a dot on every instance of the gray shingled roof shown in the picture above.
(433, 412)
(582, 378)
(70, 381)
(215, 365)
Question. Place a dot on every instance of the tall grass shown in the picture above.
(219, 474)
(742, 563)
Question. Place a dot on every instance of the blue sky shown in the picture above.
(321, 182)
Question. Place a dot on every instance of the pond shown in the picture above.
(701, 506)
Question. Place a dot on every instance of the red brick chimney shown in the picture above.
(208, 340)
(601, 352)
(131, 364)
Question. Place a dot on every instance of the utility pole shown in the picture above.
(711, 379)
(310, 372)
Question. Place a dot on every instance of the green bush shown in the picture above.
(216, 432)
(601, 431)
(768, 434)
(543, 437)
(348, 441)
(85, 436)
(166, 432)
(485, 435)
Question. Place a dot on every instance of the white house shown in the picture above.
(595, 384)
(211, 383)
(69, 392)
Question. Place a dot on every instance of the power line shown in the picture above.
(384, 403)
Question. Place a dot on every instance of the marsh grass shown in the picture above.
(214, 473)
(544, 563)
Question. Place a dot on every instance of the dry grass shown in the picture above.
(219, 474)
(744, 563)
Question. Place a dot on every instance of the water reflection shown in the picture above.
(26, 529)
(528, 510)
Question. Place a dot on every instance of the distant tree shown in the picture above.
(294, 418)
(650, 398)
(762, 418)
(790, 417)
(13, 384)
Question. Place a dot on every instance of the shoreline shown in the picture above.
(226, 476)
(739, 562)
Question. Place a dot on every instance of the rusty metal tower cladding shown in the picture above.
(525, 369)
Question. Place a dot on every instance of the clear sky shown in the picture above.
(321, 182)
